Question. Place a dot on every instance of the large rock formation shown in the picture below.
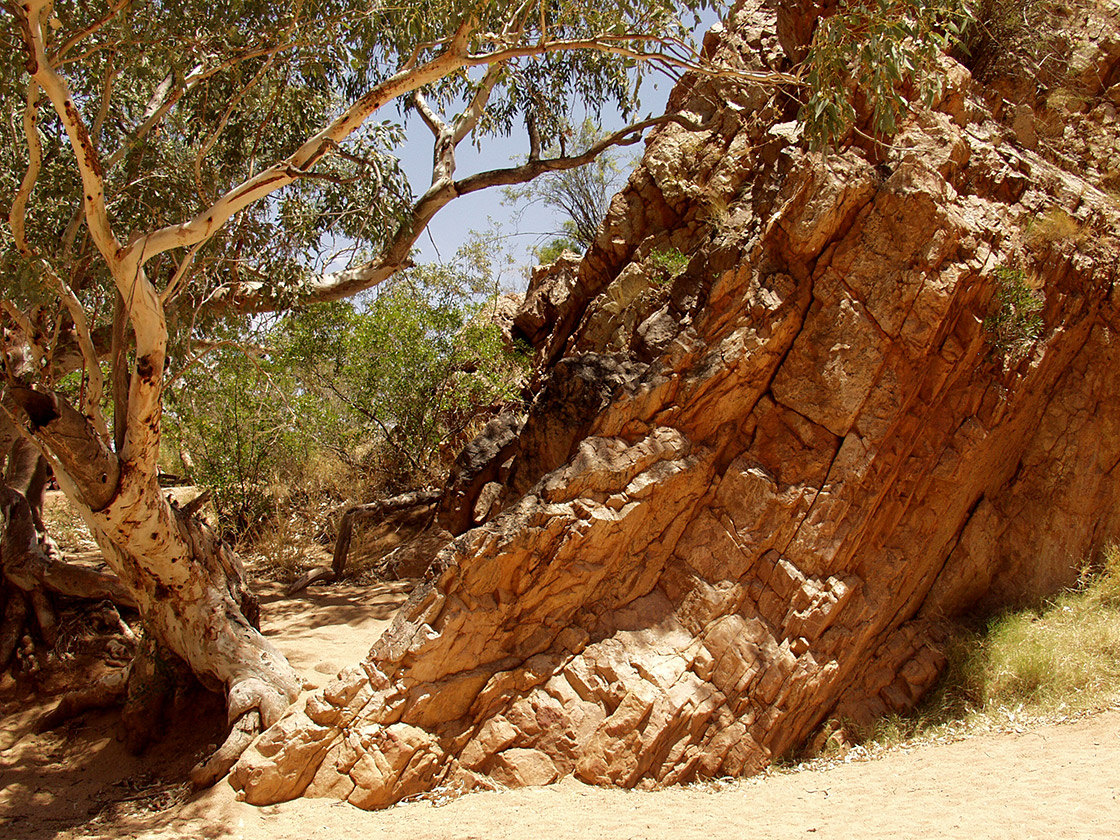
(751, 489)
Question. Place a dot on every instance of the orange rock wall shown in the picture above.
(749, 494)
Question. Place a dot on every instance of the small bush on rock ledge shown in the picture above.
(1016, 320)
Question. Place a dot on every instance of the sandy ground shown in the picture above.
(1058, 781)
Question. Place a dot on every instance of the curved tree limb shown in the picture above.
(17, 216)
(342, 284)
(82, 453)
(88, 161)
(29, 567)
(526, 172)
(283, 173)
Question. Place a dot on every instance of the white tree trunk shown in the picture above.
(191, 591)
(189, 586)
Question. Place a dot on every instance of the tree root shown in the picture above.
(11, 626)
(154, 677)
(105, 692)
(32, 573)
(309, 577)
(44, 615)
(241, 735)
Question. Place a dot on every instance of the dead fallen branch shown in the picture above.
(358, 513)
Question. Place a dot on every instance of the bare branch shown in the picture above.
(528, 171)
(430, 117)
(17, 216)
(395, 256)
(91, 404)
(173, 284)
(470, 117)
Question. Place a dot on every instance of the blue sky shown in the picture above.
(530, 225)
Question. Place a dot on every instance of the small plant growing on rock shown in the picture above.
(717, 213)
(1055, 225)
(1016, 320)
(668, 263)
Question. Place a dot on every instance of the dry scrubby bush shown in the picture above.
(1006, 39)
(1015, 321)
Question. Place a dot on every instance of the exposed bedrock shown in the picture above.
(750, 491)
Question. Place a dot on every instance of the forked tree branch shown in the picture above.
(395, 256)
(285, 172)
(58, 55)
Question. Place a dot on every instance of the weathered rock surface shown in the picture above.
(747, 496)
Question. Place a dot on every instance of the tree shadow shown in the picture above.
(80, 777)
(323, 605)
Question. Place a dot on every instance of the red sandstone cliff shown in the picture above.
(748, 494)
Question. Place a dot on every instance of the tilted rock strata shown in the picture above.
(749, 494)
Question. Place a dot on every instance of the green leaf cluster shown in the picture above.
(379, 384)
(668, 263)
(876, 56)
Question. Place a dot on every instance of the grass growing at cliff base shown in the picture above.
(1059, 659)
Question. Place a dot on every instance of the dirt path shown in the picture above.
(1058, 781)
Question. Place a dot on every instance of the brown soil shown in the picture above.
(1056, 781)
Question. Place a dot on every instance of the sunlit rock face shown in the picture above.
(780, 435)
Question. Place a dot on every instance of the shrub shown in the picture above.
(1015, 321)
(1055, 225)
(668, 263)
(341, 402)
(1011, 38)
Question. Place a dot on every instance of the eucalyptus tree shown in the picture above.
(171, 165)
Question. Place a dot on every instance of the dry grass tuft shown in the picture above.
(1059, 660)
(1055, 225)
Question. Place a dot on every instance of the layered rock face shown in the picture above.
(752, 487)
